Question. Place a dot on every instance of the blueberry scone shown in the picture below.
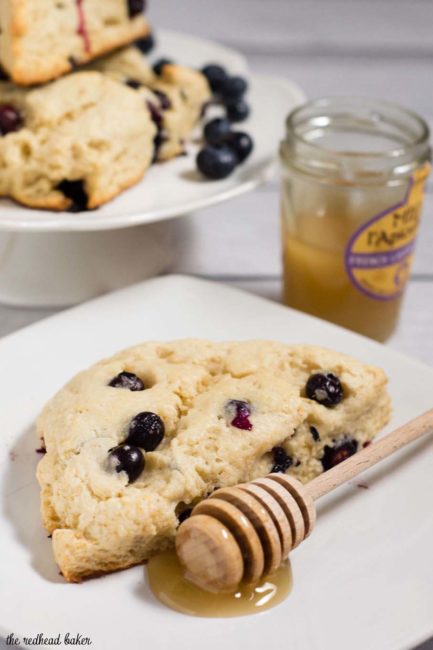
(136, 440)
(73, 144)
(43, 39)
(176, 95)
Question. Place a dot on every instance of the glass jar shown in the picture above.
(353, 176)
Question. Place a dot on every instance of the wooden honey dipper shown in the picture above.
(243, 533)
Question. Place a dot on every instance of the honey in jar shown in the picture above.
(353, 183)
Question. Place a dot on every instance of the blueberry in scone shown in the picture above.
(41, 41)
(212, 414)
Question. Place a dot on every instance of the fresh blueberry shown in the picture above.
(74, 190)
(282, 461)
(240, 411)
(146, 431)
(233, 88)
(10, 119)
(125, 458)
(133, 83)
(216, 131)
(216, 163)
(127, 380)
(136, 7)
(238, 110)
(165, 102)
(146, 44)
(315, 434)
(241, 143)
(334, 455)
(159, 65)
(324, 388)
(216, 76)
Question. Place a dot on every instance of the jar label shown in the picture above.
(379, 255)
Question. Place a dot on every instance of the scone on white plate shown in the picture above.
(73, 144)
(176, 97)
(43, 39)
(138, 438)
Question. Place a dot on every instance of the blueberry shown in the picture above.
(334, 455)
(233, 88)
(3, 75)
(127, 380)
(315, 434)
(74, 190)
(216, 76)
(240, 411)
(136, 7)
(146, 431)
(282, 461)
(125, 458)
(216, 131)
(159, 65)
(165, 102)
(216, 163)
(133, 83)
(237, 111)
(146, 44)
(10, 119)
(155, 114)
(325, 389)
(241, 143)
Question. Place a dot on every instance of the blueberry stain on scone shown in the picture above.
(325, 389)
(340, 451)
(127, 380)
(74, 190)
(146, 431)
(282, 461)
(126, 458)
(239, 413)
(11, 119)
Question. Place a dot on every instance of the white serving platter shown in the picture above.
(363, 580)
(176, 188)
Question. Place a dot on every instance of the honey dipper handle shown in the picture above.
(371, 455)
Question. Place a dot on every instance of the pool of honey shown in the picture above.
(167, 582)
(316, 281)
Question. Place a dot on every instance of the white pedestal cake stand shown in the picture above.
(52, 259)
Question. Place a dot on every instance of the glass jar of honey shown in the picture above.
(353, 178)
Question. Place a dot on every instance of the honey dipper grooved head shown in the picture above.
(210, 554)
(244, 532)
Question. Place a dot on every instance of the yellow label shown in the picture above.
(379, 255)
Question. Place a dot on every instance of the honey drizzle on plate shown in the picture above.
(167, 583)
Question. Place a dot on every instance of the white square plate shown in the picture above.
(364, 580)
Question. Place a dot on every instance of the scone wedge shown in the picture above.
(210, 415)
(43, 39)
(80, 141)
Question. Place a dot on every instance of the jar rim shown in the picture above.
(330, 102)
